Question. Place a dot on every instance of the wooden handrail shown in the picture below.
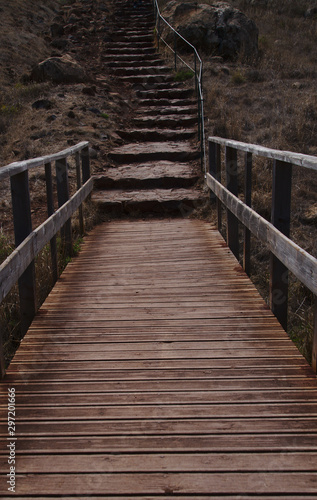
(20, 166)
(20, 265)
(286, 255)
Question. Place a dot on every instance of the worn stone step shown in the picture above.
(147, 134)
(135, 63)
(147, 79)
(166, 102)
(162, 86)
(136, 58)
(171, 110)
(135, 45)
(131, 38)
(154, 151)
(180, 93)
(150, 175)
(141, 70)
(178, 202)
(175, 121)
(127, 51)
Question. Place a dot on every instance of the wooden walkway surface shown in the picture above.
(154, 369)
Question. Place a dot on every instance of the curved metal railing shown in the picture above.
(197, 70)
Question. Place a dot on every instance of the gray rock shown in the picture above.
(312, 12)
(42, 104)
(57, 30)
(59, 70)
(217, 29)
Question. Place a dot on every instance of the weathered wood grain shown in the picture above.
(155, 370)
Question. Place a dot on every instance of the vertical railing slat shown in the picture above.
(215, 171)
(248, 199)
(232, 186)
(314, 348)
(21, 207)
(79, 184)
(280, 218)
(50, 211)
(63, 197)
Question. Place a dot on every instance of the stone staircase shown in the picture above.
(157, 169)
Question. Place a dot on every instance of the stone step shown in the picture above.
(154, 151)
(147, 79)
(178, 202)
(135, 64)
(172, 110)
(166, 102)
(127, 51)
(150, 175)
(180, 93)
(148, 135)
(175, 121)
(135, 45)
(141, 70)
(126, 37)
(136, 58)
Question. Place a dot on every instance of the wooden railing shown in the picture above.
(20, 265)
(285, 254)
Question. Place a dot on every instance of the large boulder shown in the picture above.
(217, 29)
(59, 70)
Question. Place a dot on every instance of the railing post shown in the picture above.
(2, 360)
(50, 211)
(175, 51)
(280, 218)
(85, 164)
(314, 349)
(79, 184)
(232, 186)
(63, 197)
(215, 171)
(247, 200)
(21, 207)
(195, 67)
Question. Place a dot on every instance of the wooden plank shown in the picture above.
(298, 261)
(306, 161)
(163, 483)
(174, 462)
(164, 427)
(147, 411)
(168, 444)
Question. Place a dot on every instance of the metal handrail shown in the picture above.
(198, 76)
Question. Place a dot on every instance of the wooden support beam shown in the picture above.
(280, 218)
(232, 186)
(21, 208)
(215, 171)
(314, 350)
(79, 184)
(63, 197)
(247, 200)
(85, 161)
(50, 211)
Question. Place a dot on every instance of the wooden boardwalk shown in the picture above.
(154, 369)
